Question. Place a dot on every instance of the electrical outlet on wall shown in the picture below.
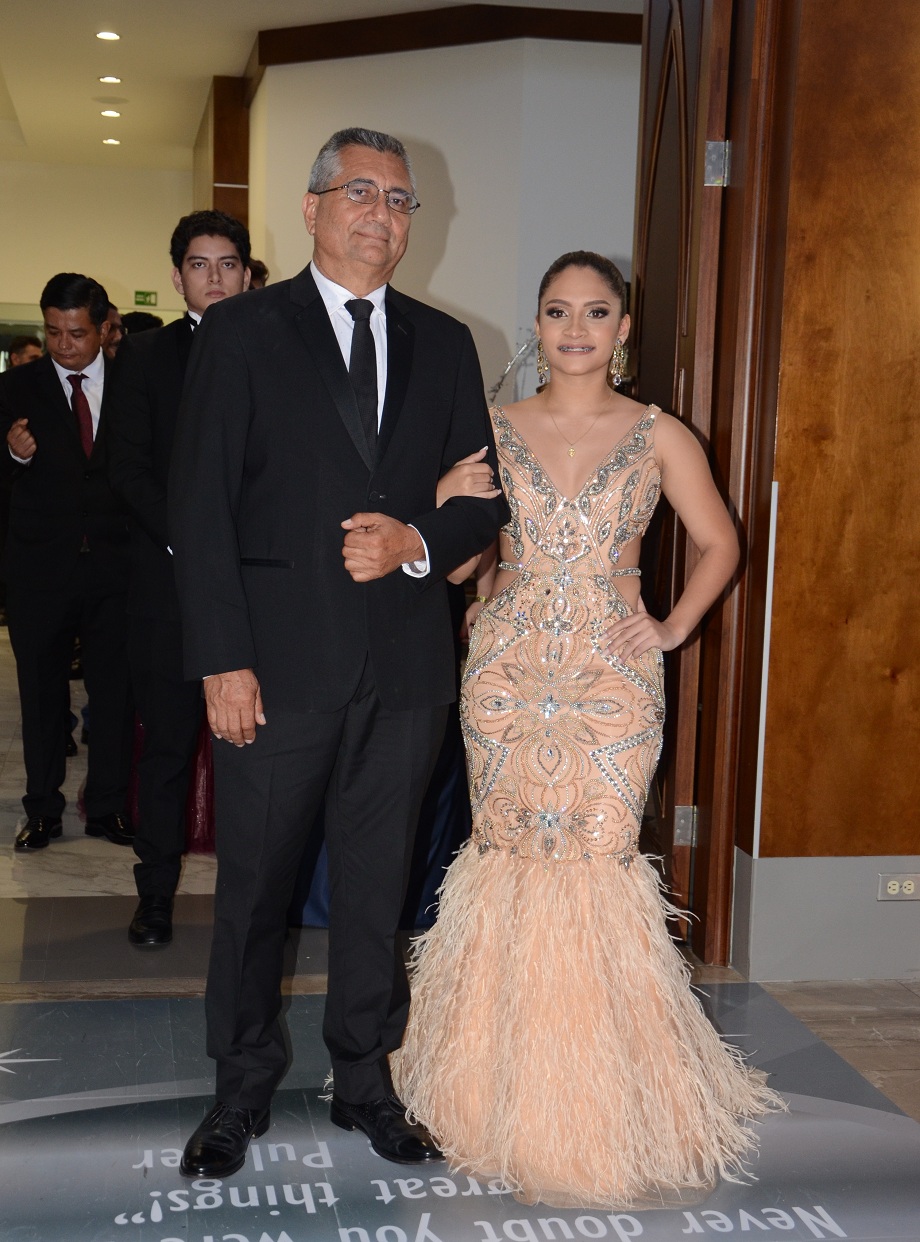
(902, 887)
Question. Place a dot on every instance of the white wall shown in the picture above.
(522, 150)
(109, 223)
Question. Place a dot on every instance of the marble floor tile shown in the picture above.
(75, 865)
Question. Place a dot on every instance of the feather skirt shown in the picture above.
(554, 1041)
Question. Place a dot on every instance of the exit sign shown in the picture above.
(145, 297)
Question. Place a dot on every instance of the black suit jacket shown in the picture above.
(146, 391)
(270, 458)
(60, 498)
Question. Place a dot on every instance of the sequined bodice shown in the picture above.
(562, 736)
(586, 534)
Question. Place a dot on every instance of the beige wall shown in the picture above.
(522, 150)
(112, 224)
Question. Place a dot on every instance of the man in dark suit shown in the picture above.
(325, 404)
(210, 254)
(66, 564)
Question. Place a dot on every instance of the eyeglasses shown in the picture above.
(367, 193)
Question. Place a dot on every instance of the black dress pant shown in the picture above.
(170, 709)
(373, 766)
(43, 621)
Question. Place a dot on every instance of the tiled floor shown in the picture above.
(875, 1026)
(97, 1098)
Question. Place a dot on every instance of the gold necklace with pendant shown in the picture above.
(572, 443)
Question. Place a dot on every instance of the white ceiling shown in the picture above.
(50, 62)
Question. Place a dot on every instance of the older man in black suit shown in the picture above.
(210, 255)
(66, 564)
(319, 414)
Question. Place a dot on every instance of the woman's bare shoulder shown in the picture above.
(676, 445)
(516, 408)
(518, 412)
(669, 429)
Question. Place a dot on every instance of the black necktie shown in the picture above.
(362, 367)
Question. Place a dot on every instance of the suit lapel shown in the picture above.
(318, 336)
(184, 335)
(51, 396)
(400, 345)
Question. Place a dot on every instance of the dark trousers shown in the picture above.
(43, 622)
(170, 709)
(373, 766)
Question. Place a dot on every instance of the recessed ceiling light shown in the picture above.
(108, 34)
(109, 112)
(111, 142)
(109, 78)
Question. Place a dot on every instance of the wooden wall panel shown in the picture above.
(221, 156)
(842, 775)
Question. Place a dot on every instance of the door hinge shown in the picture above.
(717, 169)
(685, 826)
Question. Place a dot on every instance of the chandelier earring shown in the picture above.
(542, 366)
(617, 364)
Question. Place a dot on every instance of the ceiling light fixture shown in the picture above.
(111, 142)
(109, 112)
(110, 78)
(110, 35)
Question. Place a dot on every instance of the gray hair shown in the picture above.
(327, 169)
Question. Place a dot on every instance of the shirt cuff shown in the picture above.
(23, 461)
(417, 569)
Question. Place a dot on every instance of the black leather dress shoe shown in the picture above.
(38, 831)
(391, 1135)
(115, 828)
(151, 927)
(218, 1146)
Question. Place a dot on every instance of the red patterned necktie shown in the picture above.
(80, 407)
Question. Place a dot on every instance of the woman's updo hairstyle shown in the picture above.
(609, 273)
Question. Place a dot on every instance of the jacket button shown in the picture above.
(86, 474)
(373, 496)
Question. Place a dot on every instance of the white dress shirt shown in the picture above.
(92, 386)
(343, 325)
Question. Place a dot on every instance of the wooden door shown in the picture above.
(709, 287)
(678, 222)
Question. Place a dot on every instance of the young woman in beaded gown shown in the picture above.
(553, 1040)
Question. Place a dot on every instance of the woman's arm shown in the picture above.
(687, 482)
(486, 569)
(471, 476)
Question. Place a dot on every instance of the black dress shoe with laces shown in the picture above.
(115, 828)
(384, 1122)
(38, 831)
(218, 1147)
(151, 927)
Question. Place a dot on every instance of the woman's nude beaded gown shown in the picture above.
(553, 1040)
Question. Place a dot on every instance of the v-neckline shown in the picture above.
(594, 473)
